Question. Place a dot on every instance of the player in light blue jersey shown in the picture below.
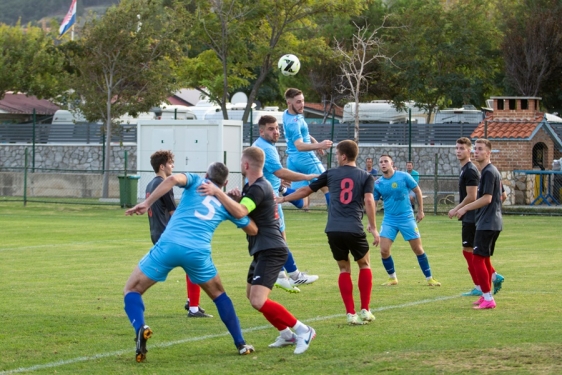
(185, 243)
(394, 187)
(273, 172)
(300, 144)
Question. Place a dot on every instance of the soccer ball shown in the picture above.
(289, 65)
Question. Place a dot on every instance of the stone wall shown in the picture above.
(68, 157)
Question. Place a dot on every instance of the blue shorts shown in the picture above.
(164, 257)
(408, 229)
(281, 218)
(304, 163)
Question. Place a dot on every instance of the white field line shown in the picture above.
(200, 338)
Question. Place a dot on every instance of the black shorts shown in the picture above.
(485, 242)
(343, 243)
(468, 233)
(266, 266)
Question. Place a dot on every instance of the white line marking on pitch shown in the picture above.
(200, 338)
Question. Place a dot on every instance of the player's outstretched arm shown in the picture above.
(371, 209)
(304, 191)
(251, 229)
(324, 145)
(288, 175)
(166, 185)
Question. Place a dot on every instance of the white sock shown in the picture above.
(193, 309)
(477, 287)
(282, 275)
(393, 276)
(300, 328)
(287, 334)
(488, 296)
(494, 276)
(294, 275)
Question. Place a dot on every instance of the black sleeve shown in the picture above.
(320, 182)
(471, 177)
(255, 193)
(369, 186)
(168, 201)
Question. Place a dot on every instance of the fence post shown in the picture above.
(33, 142)
(25, 179)
(251, 126)
(224, 162)
(332, 137)
(126, 154)
(409, 133)
(435, 184)
(103, 154)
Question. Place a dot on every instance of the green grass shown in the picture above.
(63, 268)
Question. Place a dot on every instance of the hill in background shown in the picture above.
(33, 10)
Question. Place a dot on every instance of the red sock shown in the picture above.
(469, 258)
(481, 271)
(365, 283)
(277, 315)
(346, 291)
(489, 266)
(193, 292)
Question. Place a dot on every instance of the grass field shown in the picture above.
(63, 268)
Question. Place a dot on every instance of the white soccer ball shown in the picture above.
(289, 65)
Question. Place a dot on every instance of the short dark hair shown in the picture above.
(160, 158)
(218, 173)
(410, 162)
(485, 142)
(266, 119)
(255, 156)
(348, 148)
(464, 141)
(387, 155)
(291, 93)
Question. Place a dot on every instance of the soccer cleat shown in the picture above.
(391, 281)
(283, 283)
(187, 307)
(281, 342)
(303, 340)
(353, 320)
(498, 283)
(366, 316)
(303, 279)
(473, 293)
(199, 314)
(486, 305)
(479, 301)
(245, 349)
(433, 282)
(142, 335)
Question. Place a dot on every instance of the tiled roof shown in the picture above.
(21, 104)
(319, 107)
(507, 128)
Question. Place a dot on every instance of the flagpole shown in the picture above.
(72, 33)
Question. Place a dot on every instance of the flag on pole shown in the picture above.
(68, 20)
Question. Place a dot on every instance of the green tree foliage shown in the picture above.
(124, 64)
(444, 55)
(29, 62)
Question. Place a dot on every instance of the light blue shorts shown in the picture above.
(304, 163)
(408, 229)
(164, 257)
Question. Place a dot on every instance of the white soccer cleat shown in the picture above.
(303, 340)
(283, 283)
(281, 342)
(366, 316)
(303, 279)
(353, 320)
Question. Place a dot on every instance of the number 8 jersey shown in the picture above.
(348, 186)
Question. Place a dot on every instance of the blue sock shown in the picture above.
(290, 264)
(388, 264)
(229, 318)
(134, 307)
(298, 203)
(327, 196)
(424, 265)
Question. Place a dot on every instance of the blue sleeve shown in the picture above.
(272, 163)
(410, 182)
(292, 131)
(241, 223)
(376, 193)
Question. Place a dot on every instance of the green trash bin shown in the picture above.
(128, 190)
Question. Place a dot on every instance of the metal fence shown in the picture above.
(395, 134)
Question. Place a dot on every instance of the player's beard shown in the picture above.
(294, 110)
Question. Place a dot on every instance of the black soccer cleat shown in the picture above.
(187, 307)
(199, 314)
(142, 336)
(245, 349)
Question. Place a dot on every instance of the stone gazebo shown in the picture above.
(522, 139)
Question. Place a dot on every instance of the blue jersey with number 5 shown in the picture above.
(193, 223)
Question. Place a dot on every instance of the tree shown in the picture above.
(444, 55)
(125, 63)
(532, 44)
(29, 62)
(356, 63)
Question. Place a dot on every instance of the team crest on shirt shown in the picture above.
(394, 185)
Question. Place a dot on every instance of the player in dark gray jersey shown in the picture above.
(257, 200)
(469, 178)
(489, 221)
(351, 190)
(158, 217)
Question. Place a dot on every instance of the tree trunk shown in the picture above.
(105, 189)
